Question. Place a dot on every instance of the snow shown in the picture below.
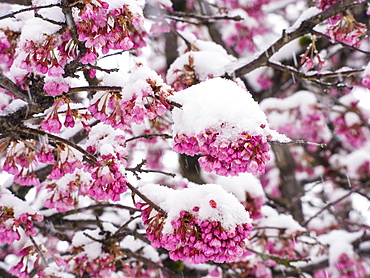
(241, 184)
(301, 99)
(273, 219)
(229, 211)
(351, 118)
(310, 12)
(210, 62)
(7, 199)
(14, 106)
(137, 245)
(34, 29)
(92, 248)
(54, 13)
(339, 242)
(215, 102)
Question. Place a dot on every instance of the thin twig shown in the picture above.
(12, 15)
(149, 136)
(92, 207)
(39, 251)
(329, 205)
(91, 159)
(340, 42)
(300, 142)
(94, 89)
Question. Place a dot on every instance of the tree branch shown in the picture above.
(146, 199)
(13, 88)
(305, 27)
(17, 2)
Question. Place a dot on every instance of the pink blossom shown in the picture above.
(10, 225)
(366, 81)
(196, 241)
(108, 180)
(246, 154)
(53, 88)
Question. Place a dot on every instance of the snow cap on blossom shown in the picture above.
(91, 255)
(14, 214)
(298, 116)
(248, 189)
(204, 60)
(202, 222)
(220, 120)
(340, 247)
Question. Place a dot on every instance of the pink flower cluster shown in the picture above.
(186, 76)
(55, 88)
(8, 44)
(66, 162)
(52, 122)
(101, 266)
(324, 4)
(22, 158)
(10, 224)
(112, 110)
(346, 29)
(366, 81)
(109, 181)
(196, 241)
(311, 57)
(42, 57)
(242, 39)
(31, 261)
(253, 205)
(282, 246)
(354, 134)
(248, 153)
(62, 199)
(103, 28)
(347, 268)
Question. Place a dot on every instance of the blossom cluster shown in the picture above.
(61, 194)
(246, 154)
(253, 205)
(193, 240)
(10, 224)
(31, 260)
(240, 34)
(91, 256)
(345, 267)
(109, 180)
(344, 27)
(352, 132)
(99, 26)
(15, 216)
(349, 118)
(138, 101)
(8, 43)
(103, 27)
(22, 158)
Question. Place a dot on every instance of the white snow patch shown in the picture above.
(229, 211)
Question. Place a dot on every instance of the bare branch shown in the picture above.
(149, 136)
(13, 88)
(327, 206)
(11, 15)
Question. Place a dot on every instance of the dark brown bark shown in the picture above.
(19, 2)
(291, 190)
